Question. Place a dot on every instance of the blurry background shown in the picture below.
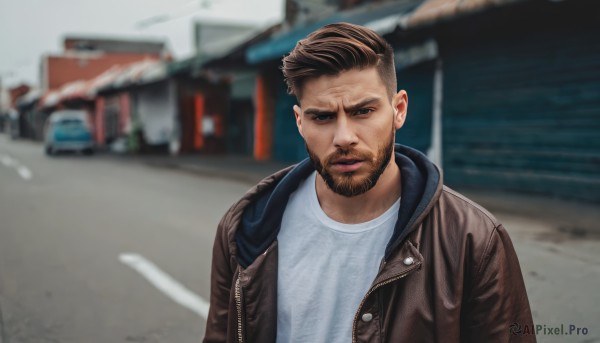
(185, 107)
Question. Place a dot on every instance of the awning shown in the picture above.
(28, 98)
(133, 74)
(104, 80)
(138, 73)
(433, 11)
(74, 90)
(50, 99)
(381, 18)
(191, 65)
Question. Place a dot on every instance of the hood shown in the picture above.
(261, 220)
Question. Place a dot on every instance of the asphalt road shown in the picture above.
(63, 230)
(94, 249)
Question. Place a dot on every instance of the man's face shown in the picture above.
(348, 123)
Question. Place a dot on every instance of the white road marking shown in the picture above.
(7, 161)
(24, 172)
(10, 162)
(165, 283)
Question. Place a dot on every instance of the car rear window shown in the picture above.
(70, 122)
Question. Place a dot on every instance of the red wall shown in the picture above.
(64, 69)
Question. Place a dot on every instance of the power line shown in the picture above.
(180, 12)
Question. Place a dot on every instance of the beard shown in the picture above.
(349, 184)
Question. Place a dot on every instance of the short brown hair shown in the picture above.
(335, 48)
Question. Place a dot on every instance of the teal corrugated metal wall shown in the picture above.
(417, 81)
(522, 112)
(288, 145)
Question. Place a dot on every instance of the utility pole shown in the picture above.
(4, 107)
(2, 97)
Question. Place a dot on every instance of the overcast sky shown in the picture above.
(32, 28)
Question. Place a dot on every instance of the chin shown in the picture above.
(350, 185)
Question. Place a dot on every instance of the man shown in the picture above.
(361, 242)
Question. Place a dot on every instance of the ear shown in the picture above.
(298, 114)
(400, 104)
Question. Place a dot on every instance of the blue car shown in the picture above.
(69, 130)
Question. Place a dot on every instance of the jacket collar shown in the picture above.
(261, 219)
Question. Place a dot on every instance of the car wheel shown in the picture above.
(88, 151)
(49, 150)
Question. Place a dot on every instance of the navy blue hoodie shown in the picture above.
(261, 220)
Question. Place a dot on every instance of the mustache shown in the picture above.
(348, 153)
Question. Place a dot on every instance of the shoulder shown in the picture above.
(250, 201)
(465, 226)
(460, 209)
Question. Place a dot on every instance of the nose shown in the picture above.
(344, 137)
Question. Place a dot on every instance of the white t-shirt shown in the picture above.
(325, 268)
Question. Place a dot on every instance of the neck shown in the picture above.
(363, 207)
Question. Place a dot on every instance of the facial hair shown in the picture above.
(348, 184)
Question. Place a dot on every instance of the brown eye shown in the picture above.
(322, 117)
(364, 111)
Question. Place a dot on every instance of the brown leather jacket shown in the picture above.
(450, 273)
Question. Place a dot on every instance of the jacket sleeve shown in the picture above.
(497, 309)
(220, 288)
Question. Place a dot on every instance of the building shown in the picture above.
(503, 94)
(136, 108)
(208, 121)
(84, 58)
(518, 93)
(66, 78)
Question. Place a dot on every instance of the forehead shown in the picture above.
(347, 86)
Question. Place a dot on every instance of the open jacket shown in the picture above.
(449, 274)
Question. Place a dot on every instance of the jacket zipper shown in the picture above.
(382, 283)
(238, 306)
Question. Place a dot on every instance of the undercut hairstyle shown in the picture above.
(335, 48)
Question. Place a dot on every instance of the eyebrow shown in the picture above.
(351, 108)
